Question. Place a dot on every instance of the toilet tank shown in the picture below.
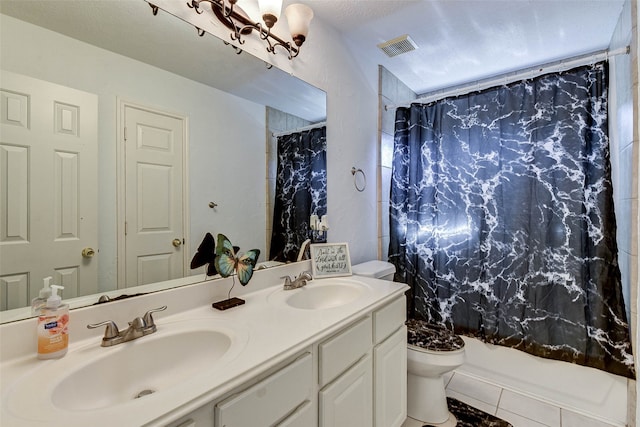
(377, 269)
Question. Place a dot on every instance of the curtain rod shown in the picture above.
(503, 79)
(301, 129)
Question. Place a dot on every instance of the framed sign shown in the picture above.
(330, 260)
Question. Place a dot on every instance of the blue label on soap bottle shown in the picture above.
(51, 325)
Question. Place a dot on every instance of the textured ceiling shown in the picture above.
(461, 41)
(347, 15)
(458, 40)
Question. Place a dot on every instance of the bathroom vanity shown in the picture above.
(332, 353)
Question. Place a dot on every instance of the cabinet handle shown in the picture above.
(297, 409)
(188, 423)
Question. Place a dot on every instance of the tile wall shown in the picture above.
(391, 91)
(624, 158)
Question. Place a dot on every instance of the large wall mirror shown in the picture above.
(136, 71)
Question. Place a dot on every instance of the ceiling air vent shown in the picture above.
(395, 47)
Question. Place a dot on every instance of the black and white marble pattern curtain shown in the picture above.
(301, 191)
(502, 220)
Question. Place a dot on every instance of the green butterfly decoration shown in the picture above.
(226, 261)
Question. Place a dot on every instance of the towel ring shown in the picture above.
(355, 171)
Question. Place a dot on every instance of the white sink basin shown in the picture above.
(93, 377)
(142, 367)
(318, 295)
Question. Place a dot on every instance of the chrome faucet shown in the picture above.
(298, 282)
(135, 330)
(138, 327)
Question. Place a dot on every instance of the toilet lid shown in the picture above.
(432, 337)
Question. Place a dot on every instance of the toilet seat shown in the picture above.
(429, 338)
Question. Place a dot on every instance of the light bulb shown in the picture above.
(270, 10)
(299, 17)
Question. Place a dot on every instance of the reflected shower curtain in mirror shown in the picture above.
(301, 191)
(502, 218)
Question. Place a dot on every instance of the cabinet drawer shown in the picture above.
(343, 350)
(269, 400)
(389, 318)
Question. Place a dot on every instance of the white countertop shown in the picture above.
(266, 331)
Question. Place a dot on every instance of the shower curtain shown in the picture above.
(301, 191)
(502, 220)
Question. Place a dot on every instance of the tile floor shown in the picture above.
(519, 410)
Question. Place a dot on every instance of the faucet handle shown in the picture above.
(150, 325)
(111, 332)
(306, 275)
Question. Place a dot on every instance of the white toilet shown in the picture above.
(432, 351)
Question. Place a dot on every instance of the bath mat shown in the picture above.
(469, 416)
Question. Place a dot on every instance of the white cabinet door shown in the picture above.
(347, 402)
(390, 373)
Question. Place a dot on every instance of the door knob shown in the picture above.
(176, 242)
(88, 252)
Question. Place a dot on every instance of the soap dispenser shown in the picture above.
(53, 331)
(41, 300)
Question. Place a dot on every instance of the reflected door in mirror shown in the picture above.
(154, 231)
(48, 182)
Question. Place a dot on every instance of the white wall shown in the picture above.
(224, 132)
(352, 119)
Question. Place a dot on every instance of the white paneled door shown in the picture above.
(48, 189)
(153, 179)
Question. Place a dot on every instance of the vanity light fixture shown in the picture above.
(233, 17)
